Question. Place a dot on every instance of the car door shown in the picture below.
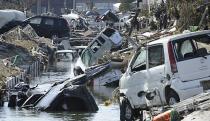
(156, 71)
(136, 76)
(62, 27)
(35, 24)
(194, 61)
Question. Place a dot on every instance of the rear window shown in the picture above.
(192, 47)
(49, 22)
(35, 20)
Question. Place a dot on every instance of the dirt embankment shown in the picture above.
(17, 49)
(12, 55)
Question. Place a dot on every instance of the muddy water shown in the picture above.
(60, 72)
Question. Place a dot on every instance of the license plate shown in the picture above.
(205, 85)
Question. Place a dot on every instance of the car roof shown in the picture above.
(45, 16)
(178, 36)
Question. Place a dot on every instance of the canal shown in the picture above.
(60, 71)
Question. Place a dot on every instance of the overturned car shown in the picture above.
(66, 95)
(108, 39)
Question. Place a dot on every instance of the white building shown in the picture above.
(150, 2)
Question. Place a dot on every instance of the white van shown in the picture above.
(177, 66)
(101, 44)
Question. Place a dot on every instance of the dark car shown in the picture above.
(48, 26)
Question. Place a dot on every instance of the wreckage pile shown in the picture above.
(19, 48)
(195, 108)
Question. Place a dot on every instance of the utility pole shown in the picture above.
(48, 6)
(38, 7)
(148, 6)
(64, 4)
(74, 4)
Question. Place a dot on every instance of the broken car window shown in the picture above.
(203, 45)
(155, 56)
(186, 49)
(140, 59)
(192, 47)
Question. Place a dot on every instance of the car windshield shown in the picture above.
(64, 55)
(86, 57)
(140, 58)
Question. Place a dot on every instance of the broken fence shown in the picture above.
(32, 70)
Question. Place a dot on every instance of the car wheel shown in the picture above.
(126, 111)
(173, 98)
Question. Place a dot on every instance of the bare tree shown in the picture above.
(185, 11)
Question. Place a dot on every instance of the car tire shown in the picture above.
(173, 98)
(126, 111)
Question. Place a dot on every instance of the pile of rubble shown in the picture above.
(21, 46)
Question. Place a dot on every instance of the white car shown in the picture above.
(65, 55)
(178, 67)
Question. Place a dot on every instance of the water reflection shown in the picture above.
(105, 113)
